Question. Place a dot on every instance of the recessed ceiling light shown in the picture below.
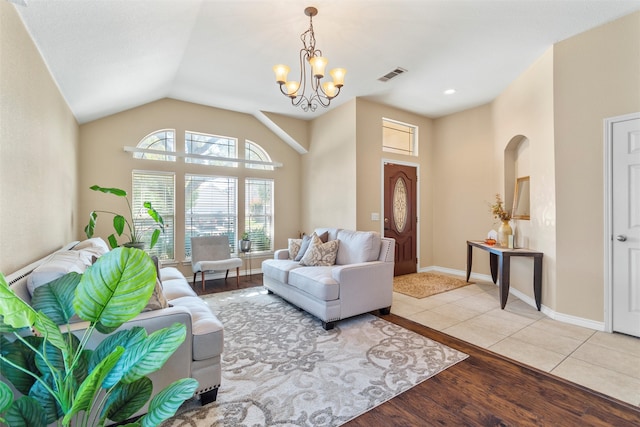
(449, 91)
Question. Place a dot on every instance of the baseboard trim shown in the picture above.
(561, 317)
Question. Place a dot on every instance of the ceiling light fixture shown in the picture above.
(321, 93)
(450, 91)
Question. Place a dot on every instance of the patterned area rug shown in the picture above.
(422, 285)
(280, 367)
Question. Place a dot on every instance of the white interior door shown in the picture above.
(626, 226)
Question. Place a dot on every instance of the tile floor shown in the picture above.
(608, 363)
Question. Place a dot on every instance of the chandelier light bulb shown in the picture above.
(292, 89)
(329, 89)
(281, 72)
(337, 74)
(318, 64)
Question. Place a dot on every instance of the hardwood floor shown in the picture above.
(486, 389)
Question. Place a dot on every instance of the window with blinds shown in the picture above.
(159, 189)
(399, 138)
(258, 212)
(161, 140)
(216, 147)
(210, 208)
(253, 151)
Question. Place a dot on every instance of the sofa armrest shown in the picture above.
(281, 254)
(364, 287)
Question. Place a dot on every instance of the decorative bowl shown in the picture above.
(490, 242)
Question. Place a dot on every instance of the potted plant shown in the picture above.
(64, 382)
(504, 231)
(135, 228)
(245, 243)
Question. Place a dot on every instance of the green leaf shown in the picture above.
(154, 214)
(126, 339)
(6, 397)
(149, 355)
(90, 228)
(154, 238)
(126, 399)
(86, 394)
(26, 412)
(13, 310)
(115, 191)
(116, 288)
(55, 356)
(51, 333)
(18, 353)
(118, 224)
(165, 404)
(113, 242)
(46, 401)
(55, 299)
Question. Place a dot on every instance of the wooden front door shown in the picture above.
(400, 214)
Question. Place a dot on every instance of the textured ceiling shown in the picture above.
(111, 55)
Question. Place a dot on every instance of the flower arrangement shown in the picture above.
(498, 210)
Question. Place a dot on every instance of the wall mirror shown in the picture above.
(521, 201)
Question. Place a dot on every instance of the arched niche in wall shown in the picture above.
(517, 164)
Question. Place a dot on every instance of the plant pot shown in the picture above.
(244, 245)
(137, 245)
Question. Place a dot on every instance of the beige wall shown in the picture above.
(329, 172)
(104, 162)
(38, 152)
(465, 172)
(369, 170)
(525, 108)
(596, 75)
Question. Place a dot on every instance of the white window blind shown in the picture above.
(162, 140)
(211, 208)
(210, 145)
(159, 189)
(258, 212)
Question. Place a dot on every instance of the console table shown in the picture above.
(500, 263)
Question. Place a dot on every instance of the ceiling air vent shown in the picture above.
(392, 74)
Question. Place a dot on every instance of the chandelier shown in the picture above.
(321, 93)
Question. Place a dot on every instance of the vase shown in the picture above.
(503, 233)
(137, 245)
(245, 245)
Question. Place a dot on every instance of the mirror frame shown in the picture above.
(519, 193)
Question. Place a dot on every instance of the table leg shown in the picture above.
(505, 273)
(493, 263)
(469, 258)
(537, 280)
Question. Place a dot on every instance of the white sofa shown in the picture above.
(197, 357)
(361, 280)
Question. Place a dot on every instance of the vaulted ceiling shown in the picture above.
(111, 55)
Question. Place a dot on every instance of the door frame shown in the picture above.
(419, 225)
(608, 215)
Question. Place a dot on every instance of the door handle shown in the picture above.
(621, 238)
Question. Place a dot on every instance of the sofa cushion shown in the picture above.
(304, 245)
(358, 246)
(96, 246)
(316, 281)
(207, 330)
(168, 273)
(57, 265)
(177, 288)
(332, 233)
(158, 299)
(279, 269)
(320, 254)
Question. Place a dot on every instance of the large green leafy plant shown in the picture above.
(135, 229)
(64, 382)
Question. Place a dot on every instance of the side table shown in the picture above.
(500, 263)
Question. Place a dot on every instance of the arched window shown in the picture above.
(253, 151)
(205, 149)
(160, 140)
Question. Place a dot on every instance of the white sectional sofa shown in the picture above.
(197, 357)
(361, 280)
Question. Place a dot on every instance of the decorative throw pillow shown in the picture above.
(157, 300)
(294, 247)
(57, 265)
(306, 240)
(320, 254)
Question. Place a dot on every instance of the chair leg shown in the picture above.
(238, 277)
(226, 275)
(202, 274)
(194, 278)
